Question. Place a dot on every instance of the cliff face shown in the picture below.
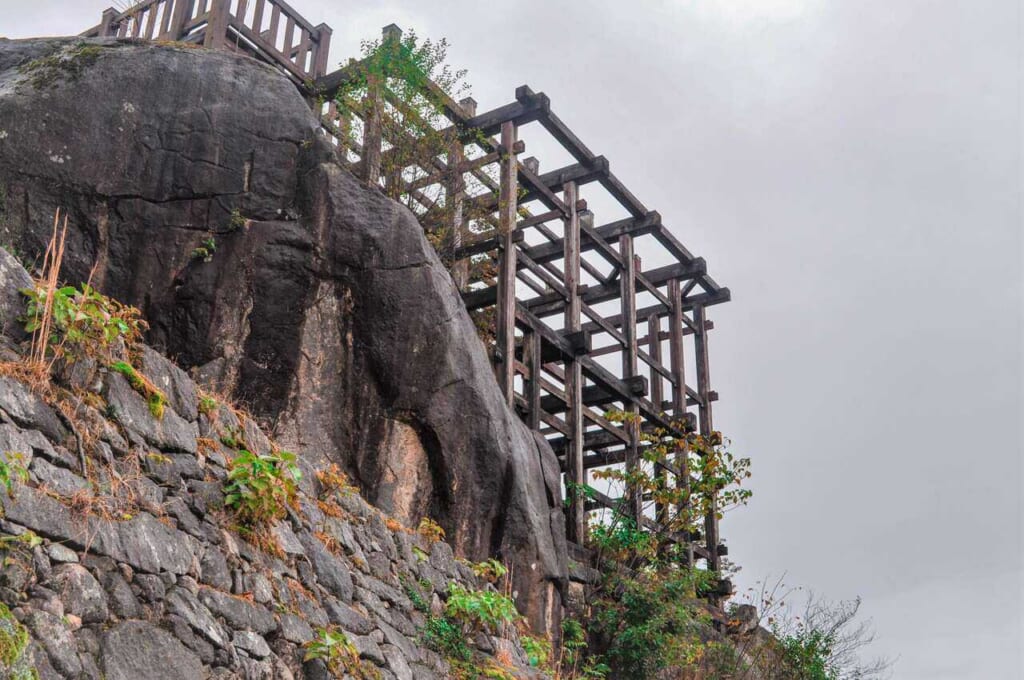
(133, 569)
(323, 309)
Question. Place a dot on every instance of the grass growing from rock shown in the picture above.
(46, 72)
(333, 647)
(15, 659)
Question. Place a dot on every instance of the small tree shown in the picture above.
(397, 96)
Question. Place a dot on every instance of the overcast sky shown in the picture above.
(851, 170)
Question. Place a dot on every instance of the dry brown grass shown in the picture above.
(330, 542)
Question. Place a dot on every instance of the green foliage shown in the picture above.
(156, 400)
(260, 488)
(446, 637)
(12, 471)
(489, 570)
(807, 655)
(412, 83)
(538, 650)
(339, 655)
(479, 610)
(412, 591)
(651, 620)
(715, 486)
(15, 659)
(237, 221)
(85, 322)
(205, 250)
(430, 530)
(574, 660)
(207, 404)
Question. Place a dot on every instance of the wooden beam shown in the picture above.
(506, 288)
(608, 233)
(595, 395)
(579, 174)
(629, 369)
(574, 389)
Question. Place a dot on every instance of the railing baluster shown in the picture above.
(275, 20)
(167, 11)
(257, 17)
(150, 22)
(289, 34)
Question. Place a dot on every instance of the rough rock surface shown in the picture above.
(149, 579)
(323, 309)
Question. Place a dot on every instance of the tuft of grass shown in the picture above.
(15, 659)
(67, 63)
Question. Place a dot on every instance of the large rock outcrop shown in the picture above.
(133, 568)
(323, 309)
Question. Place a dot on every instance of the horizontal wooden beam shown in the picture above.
(595, 395)
(596, 294)
(580, 173)
(608, 233)
(705, 299)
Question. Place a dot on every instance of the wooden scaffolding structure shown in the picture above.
(579, 325)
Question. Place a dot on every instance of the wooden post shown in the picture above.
(678, 368)
(372, 133)
(575, 473)
(182, 14)
(532, 357)
(217, 24)
(323, 48)
(705, 424)
(657, 396)
(455, 195)
(627, 287)
(508, 190)
(107, 22)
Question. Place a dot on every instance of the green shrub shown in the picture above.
(446, 638)
(489, 570)
(260, 488)
(12, 471)
(205, 250)
(538, 650)
(339, 655)
(479, 610)
(84, 321)
(650, 620)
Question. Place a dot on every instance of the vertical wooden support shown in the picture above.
(657, 397)
(372, 132)
(182, 14)
(508, 190)
(531, 350)
(455, 196)
(217, 24)
(107, 19)
(677, 365)
(706, 424)
(323, 49)
(576, 475)
(627, 279)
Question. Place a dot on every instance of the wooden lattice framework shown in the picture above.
(579, 326)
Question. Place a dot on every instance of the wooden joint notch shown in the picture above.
(577, 343)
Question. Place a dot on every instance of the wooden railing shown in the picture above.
(269, 30)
